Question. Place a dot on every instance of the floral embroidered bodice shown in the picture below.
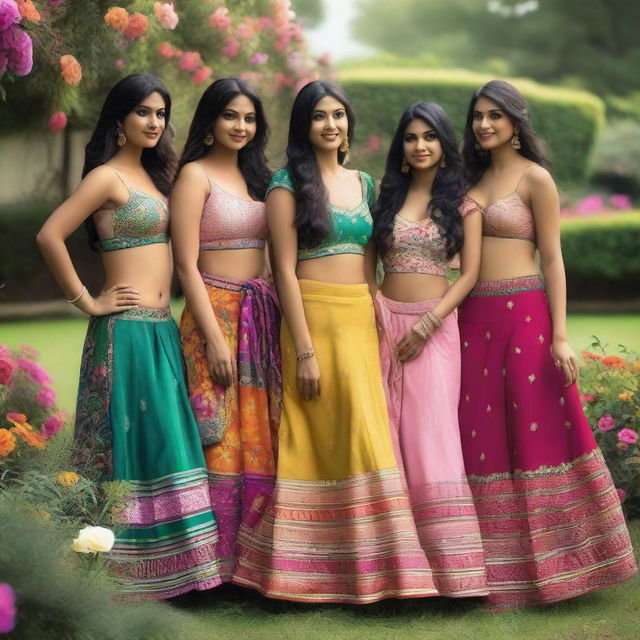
(418, 246)
(143, 219)
(350, 228)
(231, 222)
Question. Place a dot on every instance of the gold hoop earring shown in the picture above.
(404, 167)
(344, 146)
(209, 140)
(515, 142)
(443, 162)
(121, 140)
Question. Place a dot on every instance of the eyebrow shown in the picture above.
(249, 113)
(417, 132)
(146, 106)
(488, 111)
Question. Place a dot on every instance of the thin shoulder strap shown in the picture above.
(524, 173)
(206, 175)
(120, 177)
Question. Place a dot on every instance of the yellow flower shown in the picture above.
(636, 365)
(7, 442)
(67, 478)
(625, 396)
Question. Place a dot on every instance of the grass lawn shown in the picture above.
(60, 342)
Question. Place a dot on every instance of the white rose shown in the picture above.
(93, 539)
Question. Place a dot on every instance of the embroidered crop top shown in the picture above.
(418, 246)
(231, 222)
(143, 219)
(350, 228)
(509, 217)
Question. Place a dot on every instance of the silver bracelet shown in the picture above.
(82, 292)
(305, 354)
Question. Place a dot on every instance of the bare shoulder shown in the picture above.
(193, 172)
(102, 176)
(537, 177)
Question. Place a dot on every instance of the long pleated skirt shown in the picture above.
(339, 527)
(134, 423)
(550, 518)
(238, 424)
(422, 396)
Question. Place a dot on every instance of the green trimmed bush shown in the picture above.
(602, 256)
(568, 120)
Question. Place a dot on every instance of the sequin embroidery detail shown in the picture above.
(509, 217)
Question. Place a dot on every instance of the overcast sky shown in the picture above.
(334, 34)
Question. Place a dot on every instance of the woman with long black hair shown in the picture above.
(133, 419)
(339, 528)
(231, 322)
(550, 518)
(421, 221)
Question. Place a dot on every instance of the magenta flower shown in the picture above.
(190, 61)
(231, 48)
(627, 435)
(52, 425)
(591, 204)
(606, 422)
(46, 397)
(7, 608)
(620, 201)
(9, 14)
(7, 366)
(259, 58)
(35, 371)
(19, 50)
(57, 122)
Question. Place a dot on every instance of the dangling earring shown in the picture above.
(443, 162)
(404, 167)
(515, 141)
(344, 146)
(121, 140)
(208, 139)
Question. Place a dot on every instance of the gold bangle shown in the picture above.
(82, 292)
(305, 354)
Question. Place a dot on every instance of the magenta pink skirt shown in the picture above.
(422, 396)
(551, 522)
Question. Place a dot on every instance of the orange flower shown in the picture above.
(27, 434)
(625, 396)
(117, 18)
(615, 362)
(7, 442)
(67, 478)
(138, 25)
(71, 69)
(636, 365)
(28, 11)
(589, 355)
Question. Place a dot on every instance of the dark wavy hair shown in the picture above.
(158, 161)
(252, 161)
(511, 101)
(447, 189)
(312, 219)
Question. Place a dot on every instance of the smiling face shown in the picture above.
(236, 126)
(329, 124)
(421, 146)
(491, 126)
(144, 126)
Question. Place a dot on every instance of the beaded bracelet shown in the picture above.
(305, 354)
(82, 292)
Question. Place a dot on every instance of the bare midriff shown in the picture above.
(505, 258)
(147, 269)
(413, 287)
(346, 268)
(237, 264)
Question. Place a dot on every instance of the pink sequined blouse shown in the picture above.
(231, 222)
(509, 217)
(418, 246)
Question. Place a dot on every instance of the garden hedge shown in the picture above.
(568, 120)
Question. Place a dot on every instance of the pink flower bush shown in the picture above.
(7, 366)
(202, 74)
(606, 422)
(57, 122)
(18, 49)
(628, 436)
(52, 425)
(244, 32)
(259, 58)
(7, 608)
(46, 397)
(220, 19)
(34, 370)
(9, 14)
(190, 61)
(165, 14)
(231, 48)
(620, 201)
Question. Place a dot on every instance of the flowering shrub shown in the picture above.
(611, 400)
(596, 204)
(7, 608)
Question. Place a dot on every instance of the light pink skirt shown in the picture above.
(422, 397)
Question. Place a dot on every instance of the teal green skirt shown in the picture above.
(134, 423)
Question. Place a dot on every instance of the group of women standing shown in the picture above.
(372, 444)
